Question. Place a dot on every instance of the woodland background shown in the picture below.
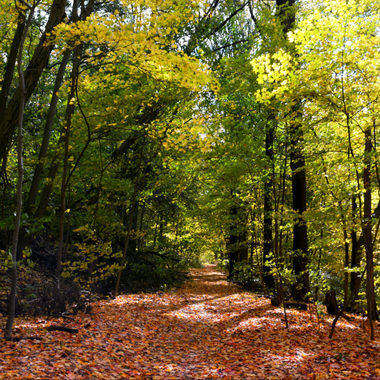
(140, 138)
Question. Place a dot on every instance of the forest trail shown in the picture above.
(208, 329)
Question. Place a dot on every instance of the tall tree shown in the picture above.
(20, 166)
(286, 10)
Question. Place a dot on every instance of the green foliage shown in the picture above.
(6, 260)
(153, 272)
(245, 273)
(93, 260)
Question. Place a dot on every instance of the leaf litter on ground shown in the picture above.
(208, 329)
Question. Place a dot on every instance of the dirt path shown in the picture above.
(209, 329)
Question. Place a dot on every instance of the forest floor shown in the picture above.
(208, 329)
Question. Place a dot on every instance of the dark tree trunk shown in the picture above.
(356, 253)
(268, 210)
(243, 250)
(331, 304)
(11, 64)
(367, 233)
(20, 167)
(37, 64)
(300, 244)
(233, 251)
(286, 13)
(346, 263)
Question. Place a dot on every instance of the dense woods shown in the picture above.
(138, 139)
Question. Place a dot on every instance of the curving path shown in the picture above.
(209, 329)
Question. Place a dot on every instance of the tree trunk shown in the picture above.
(367, 232)
(131, 218)
(69, 114)
(356, 254)
(300, 244)
(47, 132)
(233, 240)
(286, 12)
(268, 210)
(243, 249)
(20, 165)
(38, 63)
(346, 263)
(24, 238)
(331, 304)
(11, 64)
